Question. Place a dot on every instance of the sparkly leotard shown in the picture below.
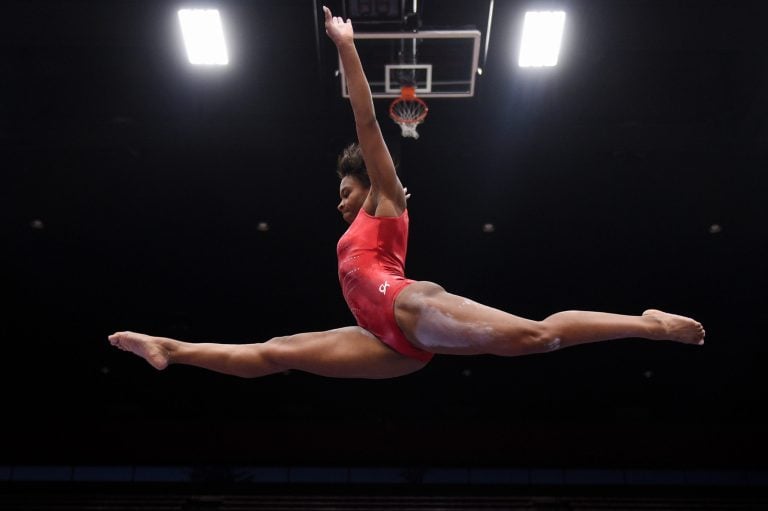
(372, 273)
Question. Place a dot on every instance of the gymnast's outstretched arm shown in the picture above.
(386, 196)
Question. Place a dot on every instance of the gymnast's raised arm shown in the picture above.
(386, 197)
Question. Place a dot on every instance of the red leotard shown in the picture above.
(372, 273)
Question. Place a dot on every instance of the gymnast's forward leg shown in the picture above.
(350, 352)
(441, 322)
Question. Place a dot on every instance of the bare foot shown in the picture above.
(677, 328)
(147, 347)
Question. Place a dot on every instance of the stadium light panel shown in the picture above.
(203, 37)
(542, 35)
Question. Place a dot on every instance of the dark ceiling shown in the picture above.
(631, 176)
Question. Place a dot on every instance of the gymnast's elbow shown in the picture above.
(367, 122)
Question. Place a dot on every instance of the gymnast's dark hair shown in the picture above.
(351, 163)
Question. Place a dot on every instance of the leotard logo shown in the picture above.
(383, 287)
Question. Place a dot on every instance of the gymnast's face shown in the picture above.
(353, 194)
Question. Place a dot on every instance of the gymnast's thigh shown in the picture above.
(350, 352)
(443, 323)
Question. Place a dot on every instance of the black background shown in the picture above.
(132, 187)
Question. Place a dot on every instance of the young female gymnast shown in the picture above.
(401, 323)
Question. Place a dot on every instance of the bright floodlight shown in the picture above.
(203, 37)
(542, 34)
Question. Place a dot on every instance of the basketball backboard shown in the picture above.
(439, 63)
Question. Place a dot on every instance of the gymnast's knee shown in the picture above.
(274, 356)
(541, 337)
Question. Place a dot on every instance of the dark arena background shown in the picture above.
(141, 193)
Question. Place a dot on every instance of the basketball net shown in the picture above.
(408, 111)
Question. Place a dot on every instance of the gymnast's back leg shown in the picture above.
(350, 352)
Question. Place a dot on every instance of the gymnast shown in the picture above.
(401, 323)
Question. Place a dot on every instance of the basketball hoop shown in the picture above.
(408, 111)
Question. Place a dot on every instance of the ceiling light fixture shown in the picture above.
(203, 37)
(542, 35)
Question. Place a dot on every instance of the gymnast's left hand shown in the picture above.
(338, 30)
